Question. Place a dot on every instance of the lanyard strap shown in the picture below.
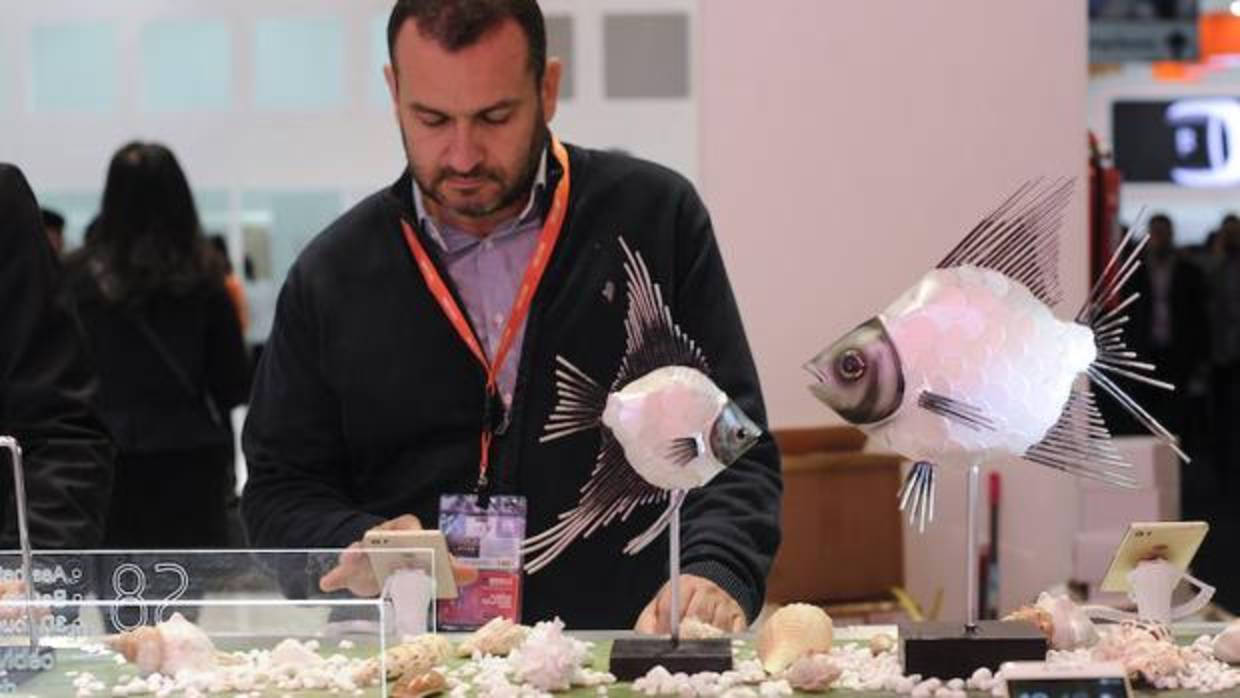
(520, 305)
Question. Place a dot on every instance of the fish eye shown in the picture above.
(851, 365)
(741, 434)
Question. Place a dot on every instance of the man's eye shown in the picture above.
(496, 118)
(433, 121)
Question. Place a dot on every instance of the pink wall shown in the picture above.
(846, 146)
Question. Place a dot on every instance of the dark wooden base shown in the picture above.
(22, 663)
(632, 657)
(949, 650)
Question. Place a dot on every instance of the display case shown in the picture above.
(182, 622)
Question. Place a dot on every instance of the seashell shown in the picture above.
(498, 637)
(169, 648)
(814, 673)
(406, 660)
(291, 653)
(791, 633)
(1064, 624)
(881, 643)
(426, 684)
(1227, 644)
(694, 629)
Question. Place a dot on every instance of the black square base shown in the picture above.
(950, 651)
(21, 663)
(632, 657)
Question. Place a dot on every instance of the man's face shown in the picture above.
(1161, 243)
(473, 121)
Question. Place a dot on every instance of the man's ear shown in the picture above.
(551, 87)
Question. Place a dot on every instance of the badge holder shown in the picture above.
(633, 657)
(33, 655)
(946, 649)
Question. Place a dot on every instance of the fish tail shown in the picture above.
(1104, 313)
(578, 405)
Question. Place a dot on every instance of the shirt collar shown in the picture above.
(432, 228)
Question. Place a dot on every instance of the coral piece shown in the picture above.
(1227, 644)
(498, 637)
(881, 643)
(814, 673)
(291, 653)
(426, 684)
(791, 633)
(169, 648)
(1145, 649)
(548, 659)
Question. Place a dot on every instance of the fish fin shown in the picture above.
(1079, 443)
(613, 490)
(957, 411)
(682, 451)
(916, 495)
(1103, 313)
(648, 536)
(579, 402)
(653, 339)
(1020, 239)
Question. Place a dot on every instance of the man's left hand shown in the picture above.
(700, 598)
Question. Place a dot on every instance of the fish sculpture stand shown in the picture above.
(664, 428)
(970, 366)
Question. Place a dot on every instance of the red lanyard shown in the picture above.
(520, 305)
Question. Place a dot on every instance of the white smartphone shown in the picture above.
(411, 550)
(1174, 541)
(1042, 680)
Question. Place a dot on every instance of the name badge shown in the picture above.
(487, 539)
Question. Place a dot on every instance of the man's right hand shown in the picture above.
(353, 571)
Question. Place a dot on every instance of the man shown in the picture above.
(370, 402)
(45, 386)
(54, 226)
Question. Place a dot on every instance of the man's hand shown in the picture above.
(700, 598)
(354, 573)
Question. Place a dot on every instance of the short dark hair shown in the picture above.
(51, 219)
(1160, 218)
(456, 24)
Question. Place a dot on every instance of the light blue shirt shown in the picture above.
(488, 271)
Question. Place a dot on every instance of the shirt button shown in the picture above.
(486, 244)
(508, 398)
(498, 320)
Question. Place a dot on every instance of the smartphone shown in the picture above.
(1174, 541)
(1089, 680)
(411, 550)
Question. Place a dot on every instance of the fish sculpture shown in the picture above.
(970, 364)
(665, 426)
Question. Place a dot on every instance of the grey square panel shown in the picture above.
(560, 45)
(646, 55)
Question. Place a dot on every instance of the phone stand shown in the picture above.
(1151, 585)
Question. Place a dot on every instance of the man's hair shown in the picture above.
(51, 219)
(456, 24)
(1160, 218)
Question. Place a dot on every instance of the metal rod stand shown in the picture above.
(674, 566)
(23, 532)
(973, 498)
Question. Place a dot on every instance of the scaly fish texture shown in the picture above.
(664, 426)
(970, 364)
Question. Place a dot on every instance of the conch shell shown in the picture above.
(793, 632)
(813, 673)
(1227, 644)
(406, 660)
(426, 684)
(498, 638)
(1065, 626)
(168, 648)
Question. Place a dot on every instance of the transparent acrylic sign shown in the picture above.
(209, 621)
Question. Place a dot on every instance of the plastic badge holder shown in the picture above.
(246, 602)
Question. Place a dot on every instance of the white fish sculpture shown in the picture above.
(666, 427)
(970, 364)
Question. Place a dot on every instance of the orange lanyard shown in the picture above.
(520, 305)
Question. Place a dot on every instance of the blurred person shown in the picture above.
(1169, 327)
(165, 334)
(54, 227)
(232, 282)
(46, 385)
(1225, 347)
(369, 402)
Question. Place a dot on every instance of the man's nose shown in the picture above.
(465, 152)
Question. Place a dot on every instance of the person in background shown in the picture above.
(151, 297)
(1224, 284)
(46, 385)
(54, 227)
(232, 282)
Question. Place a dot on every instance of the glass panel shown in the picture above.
(206, 621)
(186, 64)
(74, 67)
(298, 63)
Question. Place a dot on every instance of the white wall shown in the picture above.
(845, 148)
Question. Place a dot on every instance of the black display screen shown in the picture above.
(1109, 687)
(1187, 141)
